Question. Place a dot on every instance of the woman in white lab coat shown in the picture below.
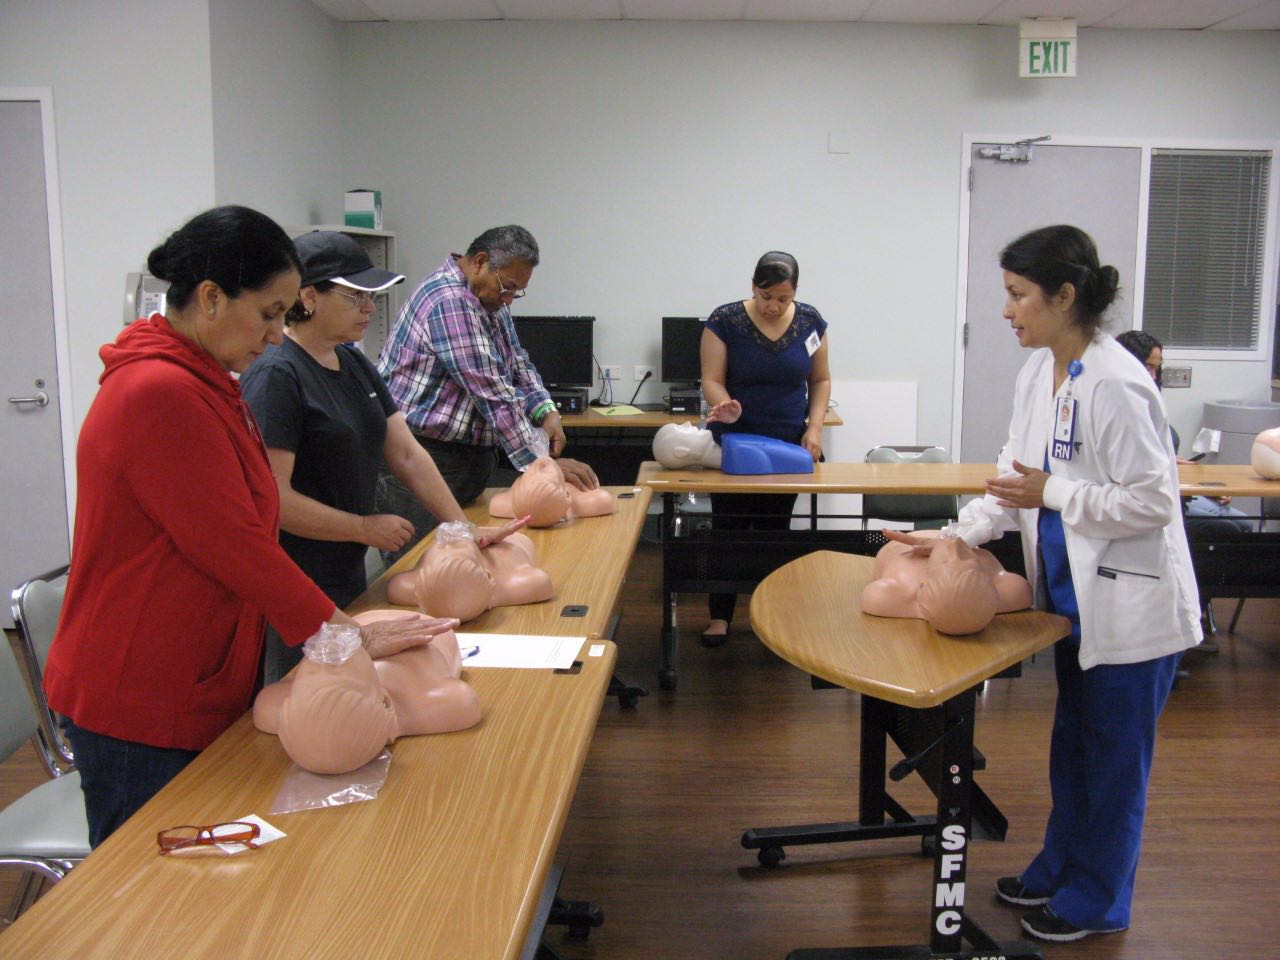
(1088, 477)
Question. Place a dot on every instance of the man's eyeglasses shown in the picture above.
(361, 298)
(177, 839)
(504, 290)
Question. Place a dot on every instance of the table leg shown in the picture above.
(670, 637)
(950, 927)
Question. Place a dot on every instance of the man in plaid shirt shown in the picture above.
(456, 369)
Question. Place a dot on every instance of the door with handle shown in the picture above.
(35, 534)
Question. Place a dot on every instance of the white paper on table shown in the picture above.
(266, 833)
(520, 650)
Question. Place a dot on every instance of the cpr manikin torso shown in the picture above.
(455, 578)
(1265, 455)
(957, 589)
(339, 708)
(679, 446)
(543, 495)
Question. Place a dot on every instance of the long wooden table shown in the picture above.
(451, 859)
(1209, 480)
(807, 613)
(699, 563)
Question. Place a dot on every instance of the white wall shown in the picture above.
(130, 83)
(278, 122)
(654, 162)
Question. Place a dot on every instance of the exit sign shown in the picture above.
(1047, 48)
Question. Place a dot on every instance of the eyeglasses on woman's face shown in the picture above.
(361, 299)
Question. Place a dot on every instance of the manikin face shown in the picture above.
(772, 302)
(1037, 320)
(680, 444)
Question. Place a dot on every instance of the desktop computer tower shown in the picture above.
(687, 400)
(570, 401)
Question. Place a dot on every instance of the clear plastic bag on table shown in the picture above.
(303, 790)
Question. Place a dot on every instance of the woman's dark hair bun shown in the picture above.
(1106, 281)
(235, 247)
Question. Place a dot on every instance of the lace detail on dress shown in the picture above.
(801, 324)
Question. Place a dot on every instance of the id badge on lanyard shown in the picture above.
(1064, 416)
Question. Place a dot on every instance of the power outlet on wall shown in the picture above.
(1175, 376)
(639, 372)
(613, 372)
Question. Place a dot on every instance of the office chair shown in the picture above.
(925, 511)
(36, 606)
(44, 832)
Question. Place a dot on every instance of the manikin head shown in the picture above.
(337, 715)
(677, 445)
(452, 579)
(540, 493)
(1265, 455)
(957, 596)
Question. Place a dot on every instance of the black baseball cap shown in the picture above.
(329, 255)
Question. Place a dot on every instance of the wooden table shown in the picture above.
(684, 556)
(807, 612)
(451, 859)
(1211, 480)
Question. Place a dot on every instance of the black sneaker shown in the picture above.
(1044, 924)
(1011, 890)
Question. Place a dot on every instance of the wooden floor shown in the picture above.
(668, 788)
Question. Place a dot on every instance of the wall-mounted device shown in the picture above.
(143, 296)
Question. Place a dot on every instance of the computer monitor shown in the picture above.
(560, 349)
(681, 349)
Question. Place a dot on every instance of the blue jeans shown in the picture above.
(119, 776)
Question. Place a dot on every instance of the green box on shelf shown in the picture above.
(363, 208)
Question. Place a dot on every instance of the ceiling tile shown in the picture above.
(927, 11)
(806, 10)
(1265, 16)
(560, 9)
(683, 9)
(436, 9)
(1086, 13)
(1176, 14)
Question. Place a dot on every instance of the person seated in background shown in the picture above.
(340, 708)
(958, 589)
(455, 578)
(1207, 517)
(542, 494)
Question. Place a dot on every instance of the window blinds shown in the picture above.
(1206, 230)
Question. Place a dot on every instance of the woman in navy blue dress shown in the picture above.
(764, 371)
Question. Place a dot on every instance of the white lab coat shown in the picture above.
(1118, 496)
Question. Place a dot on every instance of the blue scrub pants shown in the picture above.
(1100, 756)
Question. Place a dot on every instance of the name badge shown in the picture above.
(1064, 428)
(812, 342)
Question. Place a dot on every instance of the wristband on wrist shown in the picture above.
(541, 411)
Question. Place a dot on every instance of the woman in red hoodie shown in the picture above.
(175, 567)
